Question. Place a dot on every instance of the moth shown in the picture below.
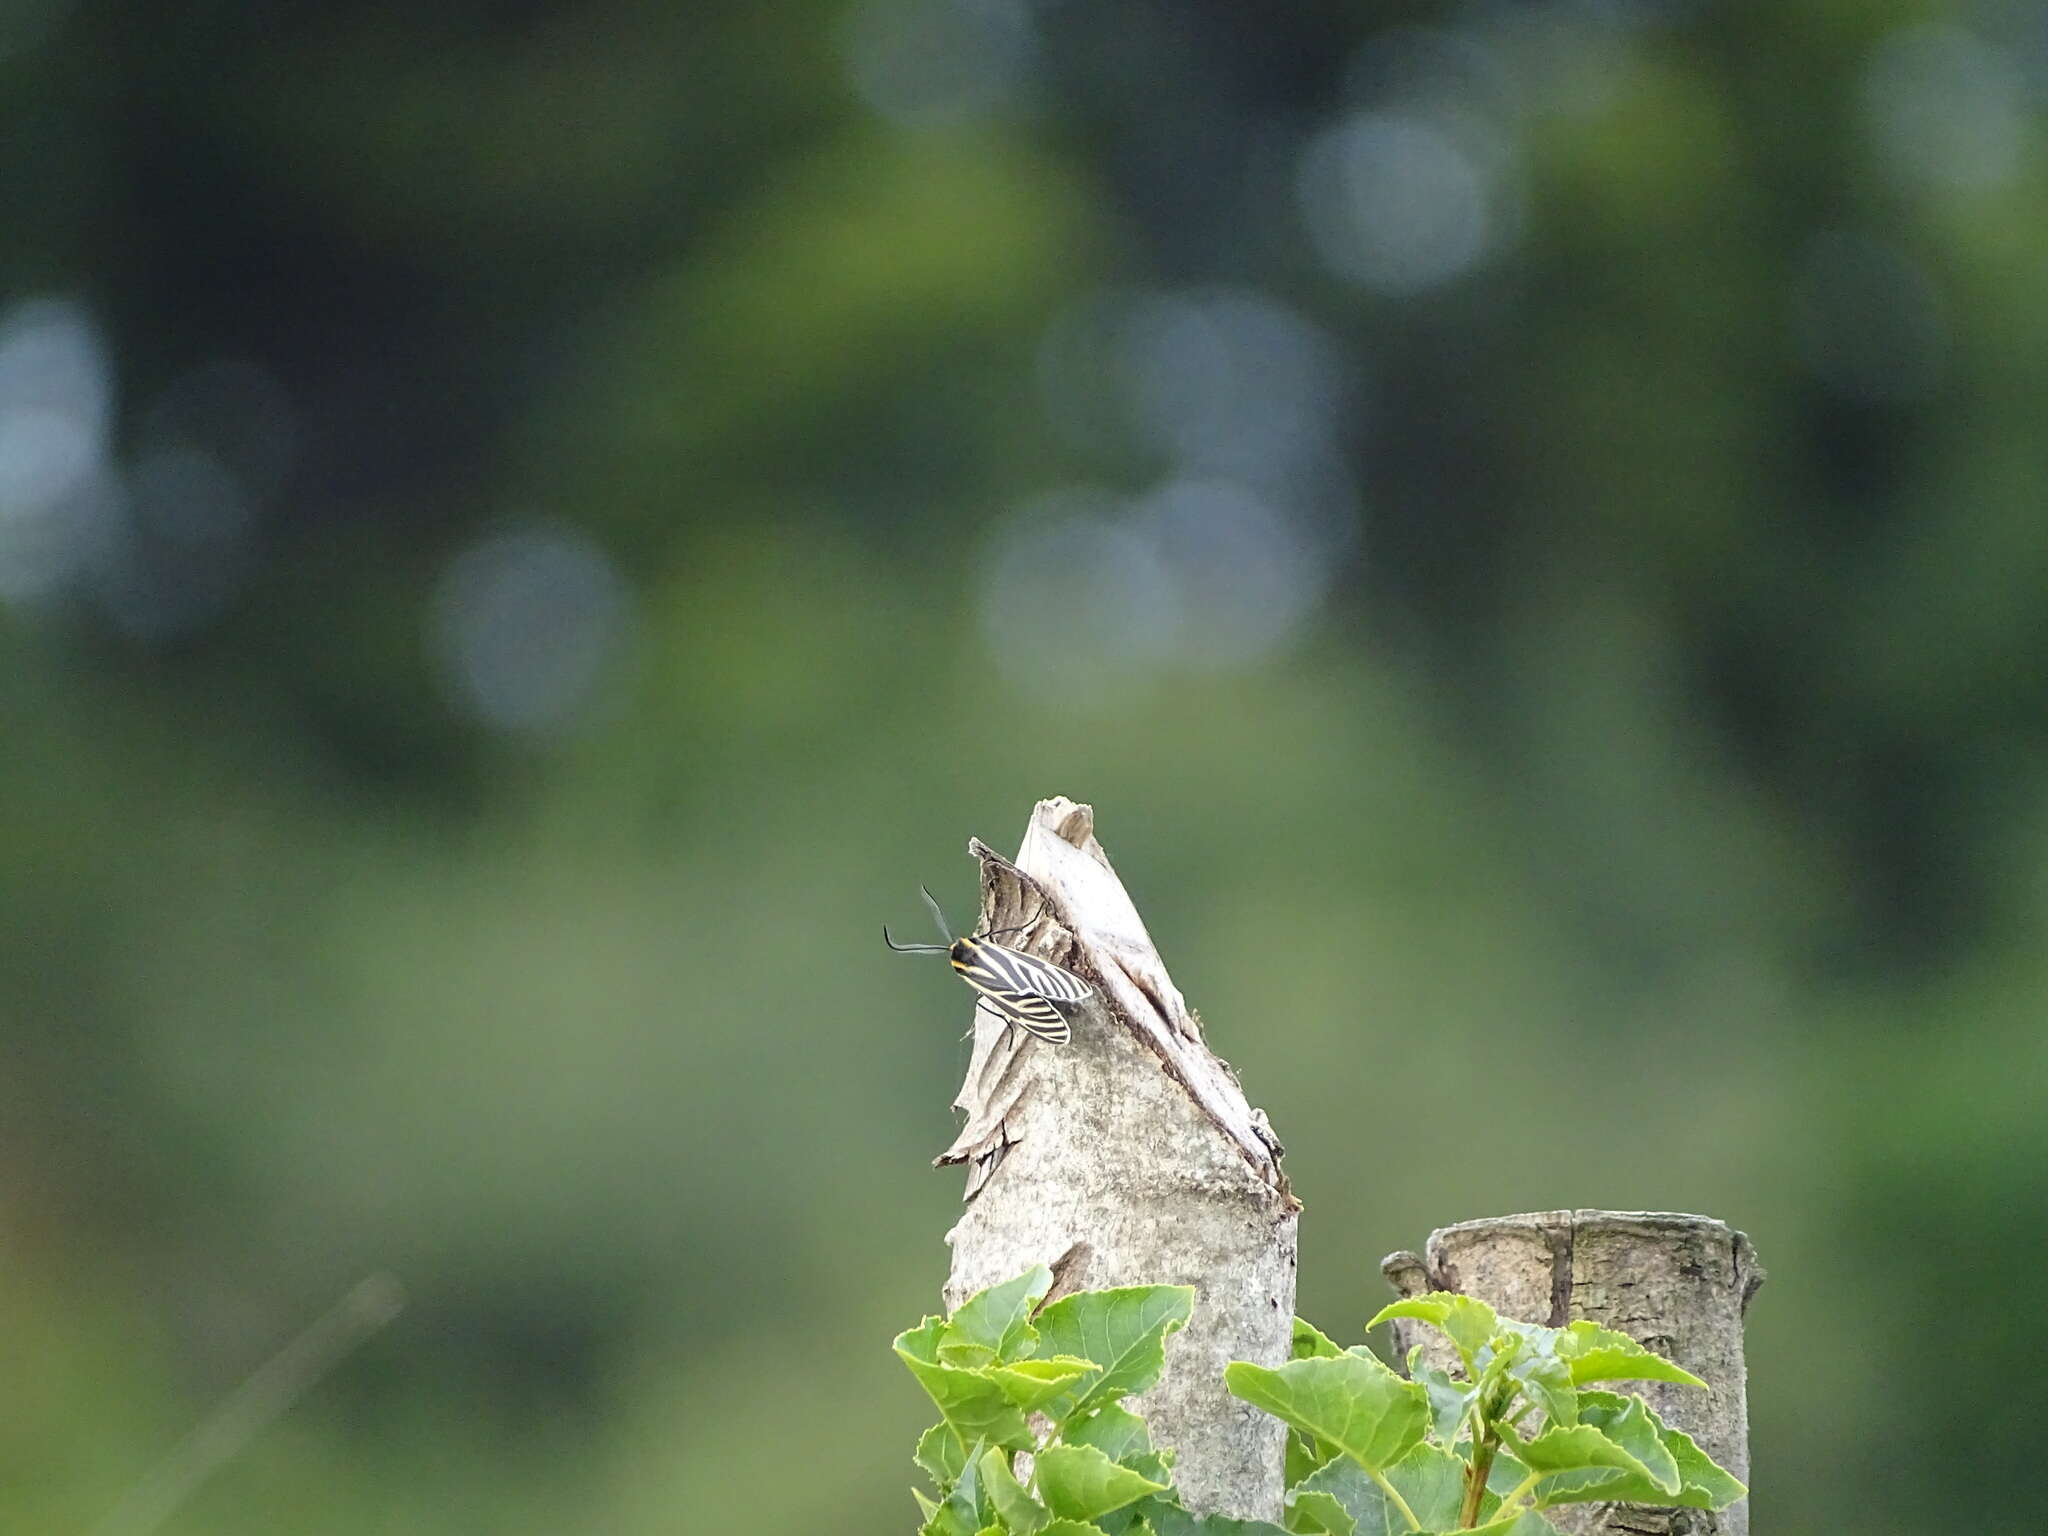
(1021, 989)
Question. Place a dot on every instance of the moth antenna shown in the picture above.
(912, 949)
(945, 928)
(1016, 927)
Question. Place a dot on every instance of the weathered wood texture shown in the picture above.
(1128, 1157)
(1676, 1284)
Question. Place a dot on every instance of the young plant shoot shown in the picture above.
(1523, 1425)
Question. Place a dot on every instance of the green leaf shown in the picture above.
(1353, 1402)
(1157, 1465)
(967, 1498)
(941, 1454)
(1313, 1511)
(1448, 1400)
(1630, 1424)
(1563, 1458)
(1703, 1484)
(1311, 1343)
(1113, 1430)
(995, 1324)
(1021, 1514)
(1033, 1383)
(1123, 1331)
(1304, 1454)
(1469, 1321)
(1078, 1482)
(960, 1512)
(1071, 1528)
(1600, 1354)
(923, 1340)
(1504, 1476)
(1431, 1480)
(974, 1405)
(1526, 1354)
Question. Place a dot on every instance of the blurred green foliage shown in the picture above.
(1664, 691)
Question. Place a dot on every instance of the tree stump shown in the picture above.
(1128, 1157)
(1676, 1284)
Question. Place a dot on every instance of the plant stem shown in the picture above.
(1395, 1494)
(1475, 1480)
(1519, 1492)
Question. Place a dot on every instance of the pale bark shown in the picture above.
(1128, 1157)
(1676, 1284)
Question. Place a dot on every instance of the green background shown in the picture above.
(527, 530)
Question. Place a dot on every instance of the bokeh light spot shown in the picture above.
(1200, 572)
(1229, 379)
(927, 63)
(56, 406)
(1944, 107)
(1243, 579)
(526, 623)
(1394, 203)
(1072, 594)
